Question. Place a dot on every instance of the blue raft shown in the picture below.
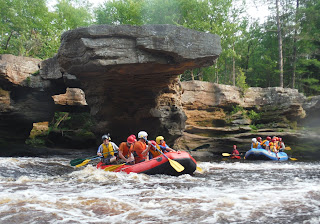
(262, 154)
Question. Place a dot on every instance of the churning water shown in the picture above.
(48, 190)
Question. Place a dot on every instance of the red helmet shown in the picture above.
(268, 138)
(259, 139)
(274, 140)
(134, 137)
(153, 143)
(131, 139)
(280, 139)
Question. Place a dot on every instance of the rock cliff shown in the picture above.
(130, 74)
(222, 115)
(26, 89)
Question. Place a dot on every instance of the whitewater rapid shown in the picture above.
(49, 190)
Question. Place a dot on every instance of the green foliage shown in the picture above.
(35, 142)
(236, 109)
(241, 80)
(254, 128)
(254, 116)
(29, 28)
(28, 81)
(67, 121)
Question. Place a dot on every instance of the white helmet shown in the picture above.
(254, 140)
(142, 134)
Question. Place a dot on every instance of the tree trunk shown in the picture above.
(192, 76)
(280, 61)
(295, 47)
(6, 47)
(233, 67)
(216, 71)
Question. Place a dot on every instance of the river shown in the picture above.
(48, 190)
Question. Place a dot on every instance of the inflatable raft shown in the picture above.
(158, 165)
(262, 154)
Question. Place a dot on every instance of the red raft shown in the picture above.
(159, 165)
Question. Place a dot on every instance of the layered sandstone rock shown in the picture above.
(26, 89)
(222, 115)
(23, 97)
(129, 74)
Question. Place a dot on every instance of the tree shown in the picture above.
(24, 28)
(280, 59)
(28, 28)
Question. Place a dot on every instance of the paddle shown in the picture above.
(177, 166)
(199, 169)
(85, 162)
(228, 154)
(81, 162)
(113, 167)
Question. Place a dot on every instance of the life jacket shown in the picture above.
(235, 152)
(263, 143)
(137, 150)
(280, 145)
(255, 145)
(125, 149)
(107, 150)
(273, 146)
(155, 152)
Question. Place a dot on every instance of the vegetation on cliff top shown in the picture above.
(251, 51)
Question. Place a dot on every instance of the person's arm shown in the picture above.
(115, 147)
(131, 158)
(169, 149)
(121, 153)
(163, 148)
(144, 152)
(99, 152)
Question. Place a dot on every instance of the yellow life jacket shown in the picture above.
(273, 146)
(263, 143)
(155, 152)
(255, 145)
(107, 150)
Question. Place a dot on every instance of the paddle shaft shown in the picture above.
(78, 161)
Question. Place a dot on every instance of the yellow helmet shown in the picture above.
(159, 138)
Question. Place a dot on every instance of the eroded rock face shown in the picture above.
(222, 115)
(129, 74)
(23, 97)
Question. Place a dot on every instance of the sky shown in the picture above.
(257, 11)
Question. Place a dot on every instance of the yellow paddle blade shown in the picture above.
(294, 159)
(177, 166)
(113, 167)
(199, 169)
(226, 154)
(287, 148)
(83, 163)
